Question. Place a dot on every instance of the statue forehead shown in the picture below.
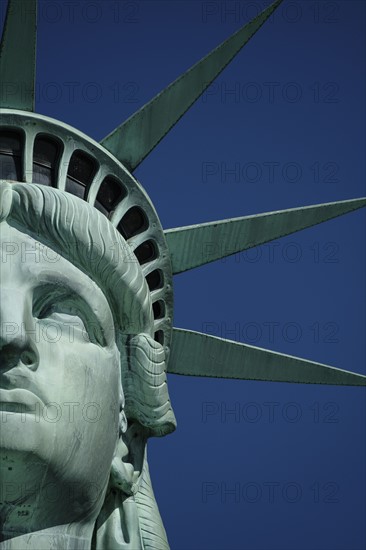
(27, 260)
(18, 246)
(27, 253)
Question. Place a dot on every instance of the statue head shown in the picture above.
(83, 379)
(86, 309)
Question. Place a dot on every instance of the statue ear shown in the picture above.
(128, 461)
(145, 386)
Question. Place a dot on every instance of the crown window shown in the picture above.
(11, 146)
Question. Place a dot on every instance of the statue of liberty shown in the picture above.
(87, 308)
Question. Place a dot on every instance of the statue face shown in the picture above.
(60, 388)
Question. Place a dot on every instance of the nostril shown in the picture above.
(28, 358)
(15, 354)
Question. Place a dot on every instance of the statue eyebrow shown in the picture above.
(60, 280)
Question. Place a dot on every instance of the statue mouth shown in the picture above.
(20, 401)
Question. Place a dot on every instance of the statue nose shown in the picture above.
(17, 332)
(18, 353)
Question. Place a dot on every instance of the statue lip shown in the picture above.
(20, 401)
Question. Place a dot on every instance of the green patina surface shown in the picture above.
(119, 315)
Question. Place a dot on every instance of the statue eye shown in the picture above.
(67, 325)
(74, 321)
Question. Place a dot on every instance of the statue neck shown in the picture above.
(40, 511)
(59, 537)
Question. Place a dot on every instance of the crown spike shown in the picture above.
(133, 140)
(198, 354)
(18, 56)
(200, 244)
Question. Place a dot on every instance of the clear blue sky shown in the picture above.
(294, 133)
